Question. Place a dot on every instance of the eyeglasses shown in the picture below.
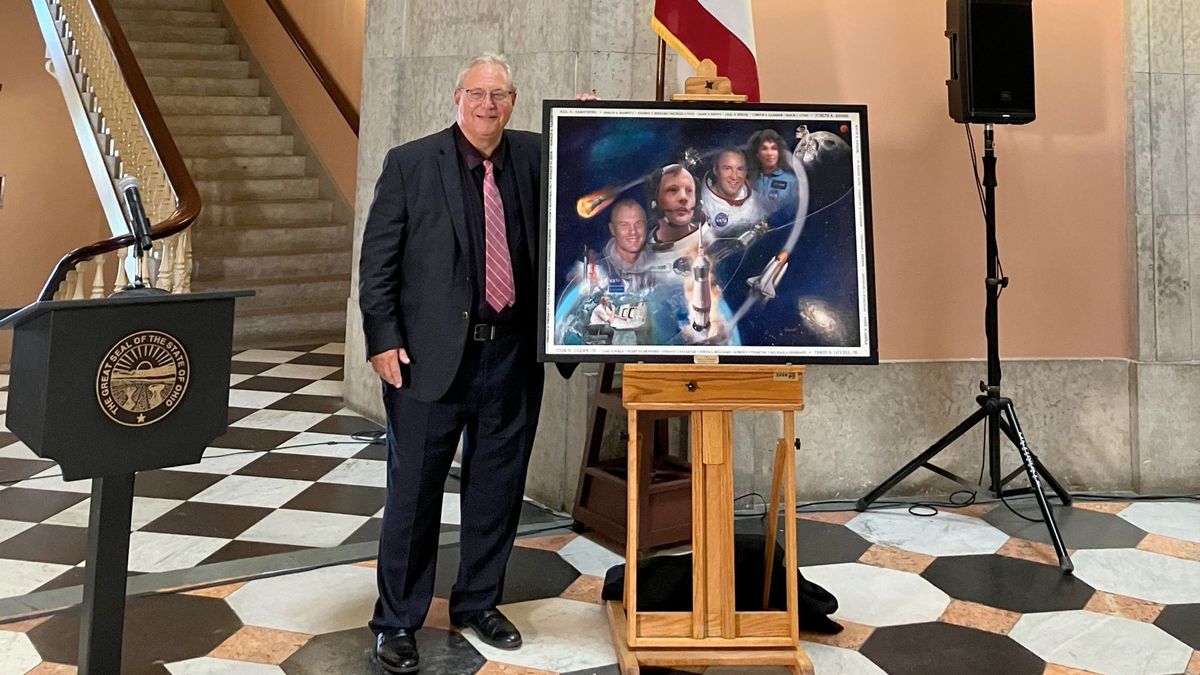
(499, 96)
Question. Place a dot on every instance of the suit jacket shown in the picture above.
(415, 287)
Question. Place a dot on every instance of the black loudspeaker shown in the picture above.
(991, 61)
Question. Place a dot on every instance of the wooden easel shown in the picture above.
(714, 632)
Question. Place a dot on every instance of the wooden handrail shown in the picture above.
(186, 194)
(348, 110)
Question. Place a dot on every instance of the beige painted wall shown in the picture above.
(50, 204)
(1061, 195)
(341, 38)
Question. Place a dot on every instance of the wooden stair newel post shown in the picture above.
(714, 632)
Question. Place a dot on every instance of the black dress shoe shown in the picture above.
(493, 628)
(396, 651)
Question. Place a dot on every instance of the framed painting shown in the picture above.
(700, 232)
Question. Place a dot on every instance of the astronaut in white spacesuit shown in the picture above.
(731, 205)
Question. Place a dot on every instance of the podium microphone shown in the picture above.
(139, 225)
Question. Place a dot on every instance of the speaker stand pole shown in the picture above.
(995, 410)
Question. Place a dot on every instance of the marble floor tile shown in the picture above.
(299, 371)
(303, 528)
(238, 378)
(1176, 548)
(322, 388)
(145, 510)
(1101, 643)
(1140, 574)
(837, 661)
(309, 403)
(202, 519)
(1182, 622)
(213, 666)
(260, 645)
(313, 602)
(331, 348)
(9, 528)
(946, 649)
(294, 467)
(879, 597)
(58, 544)
(252, 491)
(222, 461)
(17, 653)
(51, 479)
(314, 359)
(266, 355)
(4, 379)
(281, 420)
(248, 398)
(943, 534)
(17, 450)
(451, 509)
(369, 472)
(18, 577)
(896, 559)
(1180, 520)
(1124, 607)
(323, 445)
(1008, 583)
(589, 557)
(357, 500)
(559, 636)
(162, 552)
(982, 617)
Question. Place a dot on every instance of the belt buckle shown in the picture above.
(484, 332)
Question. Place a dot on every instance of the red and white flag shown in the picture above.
(721, 30)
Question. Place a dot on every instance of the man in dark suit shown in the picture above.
(448, 298)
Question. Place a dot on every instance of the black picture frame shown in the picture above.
(597, 155)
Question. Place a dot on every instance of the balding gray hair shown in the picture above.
(493, 59)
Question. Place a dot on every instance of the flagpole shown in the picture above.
(660, 94)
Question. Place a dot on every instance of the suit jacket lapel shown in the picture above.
(452, 187)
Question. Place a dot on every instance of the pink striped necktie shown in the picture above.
(498, 278)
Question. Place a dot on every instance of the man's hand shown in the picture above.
(387, 366)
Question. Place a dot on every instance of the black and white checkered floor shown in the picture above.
(274, 534)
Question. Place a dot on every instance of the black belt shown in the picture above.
(482, 332)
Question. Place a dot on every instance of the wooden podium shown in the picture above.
(714, 632)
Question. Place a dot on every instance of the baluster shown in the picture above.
(68, 291)
(98, 281)
(163, 280)
(178, 285)
(122, 279)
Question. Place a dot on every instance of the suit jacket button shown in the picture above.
(465, 316)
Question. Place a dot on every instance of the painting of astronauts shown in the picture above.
(674, 230)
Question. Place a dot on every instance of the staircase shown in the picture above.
(264, 225)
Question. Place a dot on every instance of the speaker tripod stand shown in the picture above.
(997, 411)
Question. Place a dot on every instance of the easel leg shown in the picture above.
(803, 665)
(772, 520)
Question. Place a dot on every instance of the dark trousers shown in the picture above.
(495, 400)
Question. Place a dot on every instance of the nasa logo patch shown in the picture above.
(779, 184)
(721, 220)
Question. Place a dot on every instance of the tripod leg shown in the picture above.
(918, 461)
(1035, 482)
(1063, 495)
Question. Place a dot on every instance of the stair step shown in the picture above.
(183, 50)
(180, 5)
(286, 265)
(214, 105)
(227, 125)
(225, 146)
(287, 327)
(294, 292)
(267, 213)
(173, 67)
(246, 167)
(261, 188)
(260, 239)
(169, 17)
(190, 34)
(203, 86)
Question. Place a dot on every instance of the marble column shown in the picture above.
(1163, 53)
